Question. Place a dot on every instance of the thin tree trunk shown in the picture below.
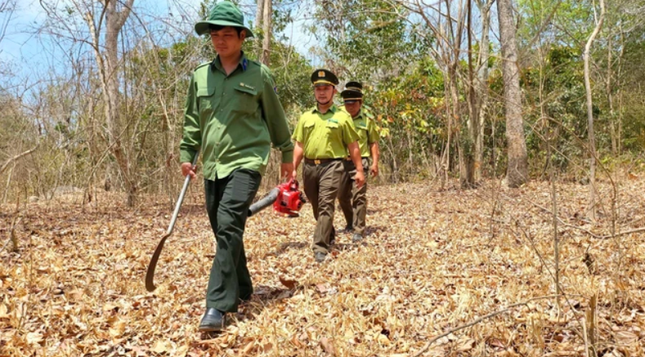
(517, 170)
(469, 144)
(590, 120)
(108, 73)
(259, 13)
(266, 29)
(481, 86)
(610, 100)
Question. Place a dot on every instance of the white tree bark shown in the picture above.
(590, 120)
(481, 86)
(108, 64)
(266, 29)
(517, 170)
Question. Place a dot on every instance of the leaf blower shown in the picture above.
(285, 198)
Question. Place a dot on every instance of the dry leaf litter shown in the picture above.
(432, 260)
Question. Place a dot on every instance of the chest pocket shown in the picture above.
(332, 129)
(308, 128)
(245, 99)
(206, 99)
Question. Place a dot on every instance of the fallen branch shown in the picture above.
(6, 164)
(636, 230)
(493, 314)
(593, 235)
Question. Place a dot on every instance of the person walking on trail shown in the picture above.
(353, 199)
(232, 117)
(323, 136)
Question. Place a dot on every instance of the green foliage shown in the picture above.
(367, 38)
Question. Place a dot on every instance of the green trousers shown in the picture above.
(227, 203)
(353, 201)
(321, 187)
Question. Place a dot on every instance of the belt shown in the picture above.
(362, 157)
(319, 161)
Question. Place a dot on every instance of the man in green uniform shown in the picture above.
(353, 199)
(232, 116)
(323, 136)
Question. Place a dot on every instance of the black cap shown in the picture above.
(323, 76)
(353, 91)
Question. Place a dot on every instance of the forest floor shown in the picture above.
(441, 272)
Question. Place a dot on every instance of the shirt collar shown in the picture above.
(244, 63)
(332, 109)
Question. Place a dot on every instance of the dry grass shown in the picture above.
(432, 261)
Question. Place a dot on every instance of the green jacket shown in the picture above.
(325, 136)
(233, 119)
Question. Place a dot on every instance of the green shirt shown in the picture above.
(367, 133)
(325, 136)
(233, 119)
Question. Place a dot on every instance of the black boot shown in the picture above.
(213, 320)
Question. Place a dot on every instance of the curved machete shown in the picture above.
(150, 274)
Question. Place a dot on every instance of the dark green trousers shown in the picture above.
(227, 202)
(353, 201)
(321, 187)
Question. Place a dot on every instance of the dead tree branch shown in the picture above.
(8, 162)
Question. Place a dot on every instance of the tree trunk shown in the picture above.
(259, 13)
(610, 100)
(590, 120)
(108, 73)
(481, 86)
(468, 143)
(517, 170)
(266, 30)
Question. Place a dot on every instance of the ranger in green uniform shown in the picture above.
(232, 116)
(324, 135)
(353, 199)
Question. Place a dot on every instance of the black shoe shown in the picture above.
(357, 238)
(213, 320)
(349, 228)
(320, 257)
(332, 239)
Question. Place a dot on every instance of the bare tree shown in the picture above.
(448, 30)
(104, 20)
(115, 17)
(480, 102)
(590, 120)
(7, 9)
(517, 170)
(267, 12)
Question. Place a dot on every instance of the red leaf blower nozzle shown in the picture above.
(286, 198)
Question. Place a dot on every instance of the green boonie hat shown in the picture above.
(353, 91)
(224, 13)
(323, 76)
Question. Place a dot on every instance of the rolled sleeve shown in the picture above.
(274, 116)
(298, 133)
